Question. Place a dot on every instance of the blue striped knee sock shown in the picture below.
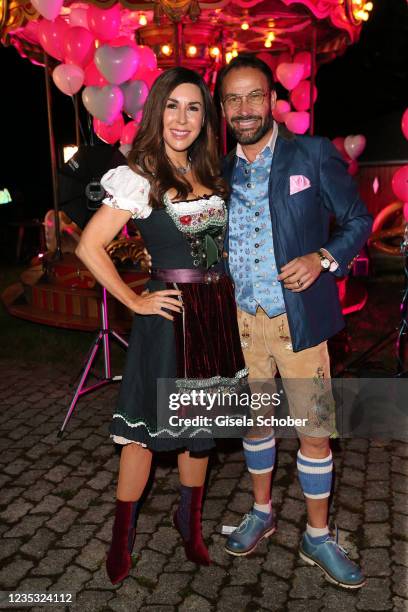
(260, 454)
(315, 476)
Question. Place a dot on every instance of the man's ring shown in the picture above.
(300, 284)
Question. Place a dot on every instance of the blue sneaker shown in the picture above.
(252, 530)
(333, 561)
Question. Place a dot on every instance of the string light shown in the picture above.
(191, 51)
(234, 52)
(268, 43)
(228, 56)
(142, 19)
(214, 52)
(166, 50)
(245, 26)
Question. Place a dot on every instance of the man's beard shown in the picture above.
(247, 137)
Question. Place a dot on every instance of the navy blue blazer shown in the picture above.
(300, 225)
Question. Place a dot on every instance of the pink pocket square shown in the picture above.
(297, 183)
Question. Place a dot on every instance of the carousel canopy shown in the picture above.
(271, 26)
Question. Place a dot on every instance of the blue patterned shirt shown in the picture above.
(251, 253)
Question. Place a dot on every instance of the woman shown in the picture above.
(173, 191)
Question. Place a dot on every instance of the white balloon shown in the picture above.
(117, 64)
(49, 9)
(354, 145)
(69, 78)
(104, 103)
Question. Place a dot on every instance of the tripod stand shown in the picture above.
(102, 340)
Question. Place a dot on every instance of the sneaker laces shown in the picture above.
(336, 541)
(248, 518)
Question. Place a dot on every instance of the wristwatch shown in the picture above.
(326, 264)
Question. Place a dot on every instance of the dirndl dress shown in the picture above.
(202, 346)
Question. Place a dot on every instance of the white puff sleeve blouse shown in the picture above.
(127, 190)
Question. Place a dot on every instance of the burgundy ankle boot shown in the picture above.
(119, 562)
(187, 520)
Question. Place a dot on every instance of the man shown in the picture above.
(284, 189)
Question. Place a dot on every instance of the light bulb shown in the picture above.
(142, 20)
(245, 26)
(166, 50)
(191, 50)
(214, 51)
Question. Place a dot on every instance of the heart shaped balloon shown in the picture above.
(104, 103)
(354, 145)
(297, 123)
(104, 23)
(281, 109)
(135, 93)
(51, 35)
(117, 64)
(50, 9)
(93, 76)
(68, 78)
(404, 124)
(147, 57)
(129, 132)
(305, 58)
(399, 183)
(300, 96)
(79, 46)
(289, 75)
(108, 133)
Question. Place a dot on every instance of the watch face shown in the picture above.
(325, 263)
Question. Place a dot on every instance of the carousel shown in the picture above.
(105, 57)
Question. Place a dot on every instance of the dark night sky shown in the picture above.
(364, 91)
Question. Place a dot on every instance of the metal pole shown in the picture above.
(53, 153)
(77, 124)
(312, 80)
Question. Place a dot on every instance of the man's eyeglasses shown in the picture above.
(254, 100)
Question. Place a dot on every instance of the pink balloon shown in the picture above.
(109, 133)
(31, 32)
(104, 23)
(117, 64)
(147, 57)
(297, 122)
(150, 76)
(300, 96)
(79, 46)
(354, 145)
(353, 167)
(104, 103)
(68, 78)
(289, 75)
(123, 41)
(51, 35)
(78, 17)
(49, 9)
(404, 124)
(93, 76)
(405, 209)
(305, 59)
(129, 132)
(282, 108)
(400, 183)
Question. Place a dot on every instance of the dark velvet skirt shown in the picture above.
(202, 344)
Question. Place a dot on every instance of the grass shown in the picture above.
(26, 342)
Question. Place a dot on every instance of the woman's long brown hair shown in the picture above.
(148, 156)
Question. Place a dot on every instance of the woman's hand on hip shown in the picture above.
(158, 303)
